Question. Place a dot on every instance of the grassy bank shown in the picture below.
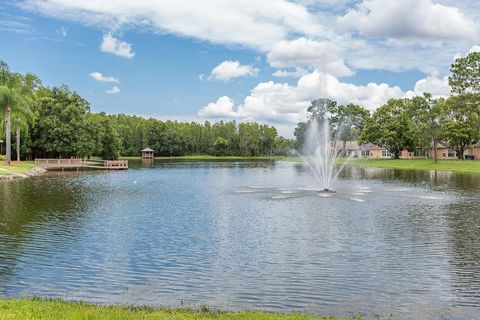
(208, 157)
(21, 168)
(56, 309)
(413, 164)
(418, 164)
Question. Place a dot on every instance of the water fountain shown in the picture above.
(320, 153)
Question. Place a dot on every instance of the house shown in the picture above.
(474, 151)
(371, 150)
(443, 153)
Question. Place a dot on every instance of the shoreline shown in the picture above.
(28, 169)
(20, 170)
(56, 309)
(460, 166)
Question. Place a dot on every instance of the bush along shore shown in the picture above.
(57, 309)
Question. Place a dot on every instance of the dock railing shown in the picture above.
(82, 163)
(59, 163)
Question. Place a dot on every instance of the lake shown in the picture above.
(394, 244)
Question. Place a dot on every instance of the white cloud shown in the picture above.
(101, 78)
(252, 23)
(114, 90)
(117, 47)
(474, 49)
(222, 108)
(438, 87)
(420, 20)
(231, 69)
(385, 34)
(297, 73)
(302, 52)
(284, 104)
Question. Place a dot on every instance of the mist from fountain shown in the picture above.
(320, 153)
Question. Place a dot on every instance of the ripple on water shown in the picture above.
(195, 234)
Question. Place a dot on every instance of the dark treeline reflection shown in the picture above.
(31, 209)
(436, 179)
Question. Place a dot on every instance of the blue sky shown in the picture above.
(243, 60)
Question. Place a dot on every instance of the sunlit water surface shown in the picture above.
(248, 235)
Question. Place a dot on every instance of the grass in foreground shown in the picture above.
(23, 167)
(418, 164)
(57, 309)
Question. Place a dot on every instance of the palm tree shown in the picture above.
(19, 123)
(15, 95)
(11, 99)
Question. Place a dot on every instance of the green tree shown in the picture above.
(347, 122)
(61, 130)
(13, 100)
(426, 114)
(321, 109)
(465, 74)
(460, 122)
(299, 134)
(391, 127)
(221, 146)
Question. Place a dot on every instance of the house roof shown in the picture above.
(147, 150)
(352, 145)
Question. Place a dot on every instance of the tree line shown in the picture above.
(417, 123)
(57, 123)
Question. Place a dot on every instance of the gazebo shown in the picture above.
(147, 153)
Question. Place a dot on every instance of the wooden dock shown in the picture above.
(81, 163)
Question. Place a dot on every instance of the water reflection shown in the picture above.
(247, 235)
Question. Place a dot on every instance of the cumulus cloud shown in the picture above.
(437, 86)
(98, 76)
(229, 70)
(251, 23)
(117, 47)
(114, 90)
(324, 56)
(474, 49)
(286, 104)
(297, 73)
(222, 108)
(420, 20)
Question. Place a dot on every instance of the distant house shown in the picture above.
(443, 152)
(370, 150)
(352, 149)
(474, 151)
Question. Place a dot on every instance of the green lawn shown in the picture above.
(56, 309)
(208, 157)
(23, 167)
(418, 164)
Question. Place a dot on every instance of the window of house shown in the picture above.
(386, 154)
(365, 153)
(451, 153)
(420, 153)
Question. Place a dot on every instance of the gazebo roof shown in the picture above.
(147, 150)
